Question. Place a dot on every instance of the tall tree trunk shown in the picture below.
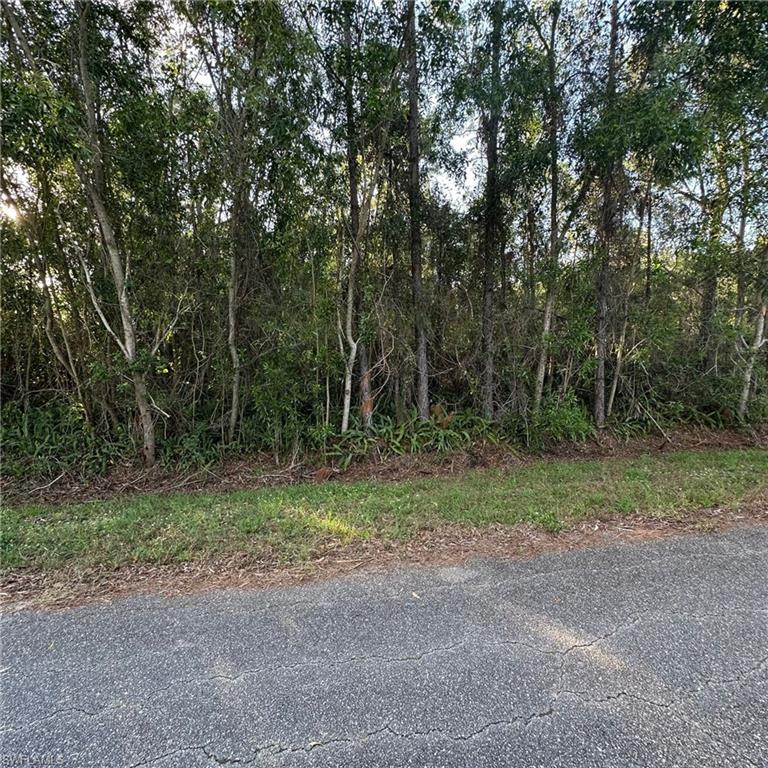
(366, 393)
(554, 235)
(708, 308)
(741, 235)
(601, 338)
(414, 199)
(759, 337)
(354, 218)
(541, 368)
(713, 209)
(754, 349)
(606, 236)
(93, 182)
(234, 411)
(648, 245)
(633, 269)
(491, 216)
(239, 237)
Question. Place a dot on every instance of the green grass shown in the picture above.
(291, 524)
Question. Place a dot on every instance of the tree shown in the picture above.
(606, 229)
(233, 227)
(759, 335)
(414, 198)
(89, 164)
(490, 132)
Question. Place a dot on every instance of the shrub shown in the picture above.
(54, 438)
(562, 419)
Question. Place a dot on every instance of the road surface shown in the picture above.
(650, 654)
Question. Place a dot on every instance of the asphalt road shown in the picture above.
(647, 655)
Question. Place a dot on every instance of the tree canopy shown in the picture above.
(244, 226)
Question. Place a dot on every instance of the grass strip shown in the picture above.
(292, 524)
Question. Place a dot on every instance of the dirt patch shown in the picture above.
(447, 544)
(253, 472)
(680, 439)
(260, 471)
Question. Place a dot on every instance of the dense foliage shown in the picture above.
(340, 224)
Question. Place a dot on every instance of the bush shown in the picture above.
(441, 434)
(54, 438)
(562, 420)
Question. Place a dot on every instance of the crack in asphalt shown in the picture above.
(632, 621)
(552, 635)
(330, 664)
(587, 699)
(164, 755)
(524, 721)
(277, 749)
(67, 711)
(550, 710)
(738, 678)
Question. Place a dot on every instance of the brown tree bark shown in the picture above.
(713, 209)
(234, 355)
(553, 260)
(648, 246)
(414, 199)
(491, 215)
(607, 216)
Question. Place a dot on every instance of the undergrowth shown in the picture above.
(45, 442)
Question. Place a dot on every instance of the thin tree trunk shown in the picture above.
(354, 219)
(541, 368)
(414, 198)
(554, 236)
(349, 364)
(606, 236)
(93, 183)
(327, 419)
(741, 236)
(633, 269)
(714, 209)
(26, 389)
(237, 251)
(601, 340)
(617, 370)
(759, 337)
(491, 216)
(145, 417)
(366, 395)
(232, 344)
(18, 33)
(648, 247)
(754, 349)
